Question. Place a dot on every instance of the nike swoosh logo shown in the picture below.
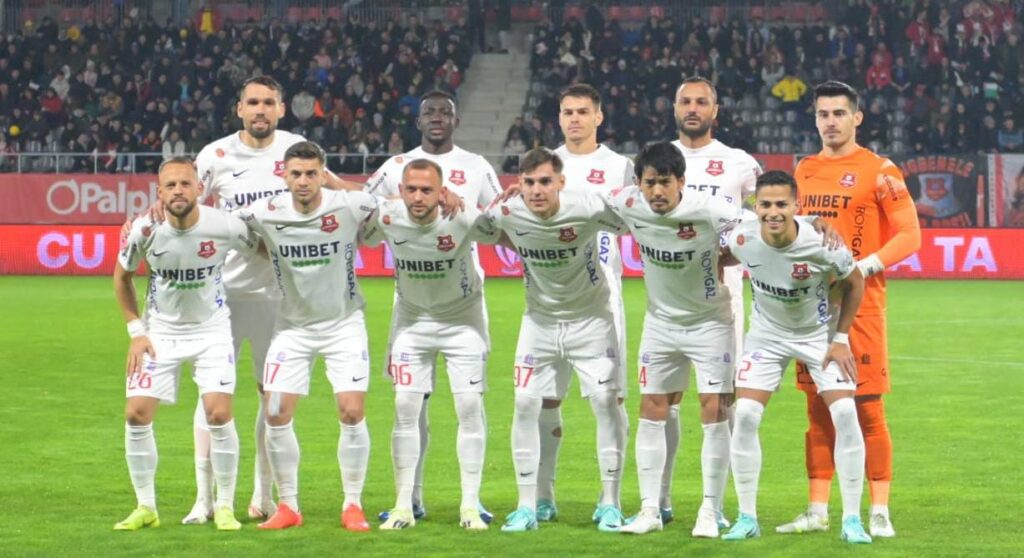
(639, 226)
(240, 173)
(525, 474)
(752, 266)
(611, 471)
(520, 233)
(474, 382)
(604, 381)
(354, 379)
(710, 383)
(282, 227)
(223, 383)
(157, 254)
(397, 242)
(861, 383)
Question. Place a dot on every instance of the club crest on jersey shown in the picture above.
(715, 168)
(445, 243)
(219, 152)
(596, 176)
(206, 249)
(386, 219)
(567, 234)
(457, 177)
(740, 239)
(505, 210)
(849, 180)
(146, 231)
(629, 202)
(329, 223)
(279, 168)
(801, 272)
(686, 231)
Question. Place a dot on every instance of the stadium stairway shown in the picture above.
(491, 97)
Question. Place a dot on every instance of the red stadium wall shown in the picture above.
(55, 224)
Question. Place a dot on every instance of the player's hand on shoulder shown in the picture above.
(512, 191)
(830, 237)
(140, 346)
(451, 204)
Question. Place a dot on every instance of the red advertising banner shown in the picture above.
(76, 199)
(92, 250)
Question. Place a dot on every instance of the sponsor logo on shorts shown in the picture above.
(604, 381)
(529, 359)
(475, 381)
(727, 357)
(865, 358)
(713, 383)
(329, 223)
(358, 379)
(206, 249)
(645, 358)
(225, 382)
(801, 271)
(403, 357)
(610, 352)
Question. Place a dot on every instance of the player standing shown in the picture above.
(311, 234)
(864, 197)
(568, 324)
(791, 277)
(439, 309)
(688, 318)
(186, 320)
(237, 170)
(587, 165)
(728, 173)
(465, 174)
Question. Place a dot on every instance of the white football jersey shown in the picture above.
(314, 255)
(186, 290)
(435, 272)
(720, 170)
(467, 174)
(605, 171)
(236, 175)
(791, 284)
(680, 254)
(563, 275)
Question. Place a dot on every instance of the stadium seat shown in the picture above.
(772, 103)
(901, 116)
(898, 132)
(790, 117)
(785, 146)
(727, 102)
(785, 132)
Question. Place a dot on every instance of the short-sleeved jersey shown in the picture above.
(314, 255)
(720, 170)
(236, 175)
(563, 275)
(467, 174)
(791, 284)
(435, 275)
(864, 197)
(605, 171)
(680, 254)
(186, 290)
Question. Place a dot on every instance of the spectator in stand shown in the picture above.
(1010, 138)
(791, 91)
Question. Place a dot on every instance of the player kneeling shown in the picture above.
(791, 274)
(439, 310)
(186, 321)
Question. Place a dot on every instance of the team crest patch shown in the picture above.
(596, 176)
(219, 152)
(386, 219)
(865, 359)
(567, 234)
(206, 249)
(457, 177)
(629, 202)
(146, 231)
(849, 180)
(505, 210)
(270, 205)
(398, 159)
(726, 357)
(715, 168)
(801, 272)
(645, 358)
(279, 168)
(445, 243)
(740, 240)
(329, 223)
(686, 231)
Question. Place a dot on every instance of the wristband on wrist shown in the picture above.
(841, 338)
(136, 328)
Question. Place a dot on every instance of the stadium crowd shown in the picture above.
(936, 77)
(138, 86)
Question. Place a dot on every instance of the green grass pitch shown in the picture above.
(955, 411)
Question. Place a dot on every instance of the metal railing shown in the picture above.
(147, 163)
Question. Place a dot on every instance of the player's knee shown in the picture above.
(748, 414)
(654, 408)
(527, 407)
(468, 407)
(137, 415)
(407, 408)
(871, 414)
(218, 416)
(713, 408)
(351, 415)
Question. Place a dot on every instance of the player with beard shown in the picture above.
(465, 174)
(728, 173)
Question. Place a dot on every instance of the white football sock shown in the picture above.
(550, 443)
(526, 448)
(650, 460)
(673, 435)
(201, 441)
(849, 454)
(714, 463)
(283, 454)
(140, 453)
(263, 480)
(746, 453)
(819, 509)
(405, 445)
(880, 510)
(424, 433)
(353, 455)
(605, 406)
(224, 459)
(470, 445)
